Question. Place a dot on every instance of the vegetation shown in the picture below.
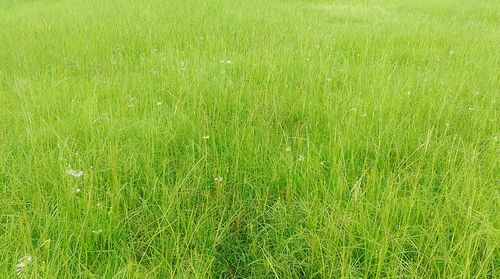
(249, 139)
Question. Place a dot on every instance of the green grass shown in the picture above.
(355, 139)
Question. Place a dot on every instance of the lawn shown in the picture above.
(249, 139)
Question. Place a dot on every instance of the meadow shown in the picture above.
(249, 139)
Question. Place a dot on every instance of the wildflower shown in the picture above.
(182, 65)
(132, 101)
(97, 231)
(23, 264)
(471, 109)
(408, 93)
(206, 137)
(301, 158)
(76, 190)
(20, 269)
(288, 149)
(74, 173)
(159, 103)
(218, 179)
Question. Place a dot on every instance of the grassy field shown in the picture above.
(249, 139)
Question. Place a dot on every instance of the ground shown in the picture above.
(249, 139)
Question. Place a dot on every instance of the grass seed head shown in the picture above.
(218, 179)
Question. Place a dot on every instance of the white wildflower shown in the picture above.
(131, 102)
(97, 231)
(74, 173)
(206, 137)
(22, 265)
(300, 158)
(288, 149)
(159, 103)
(20, 269)
(182, 65)
(76, 190)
